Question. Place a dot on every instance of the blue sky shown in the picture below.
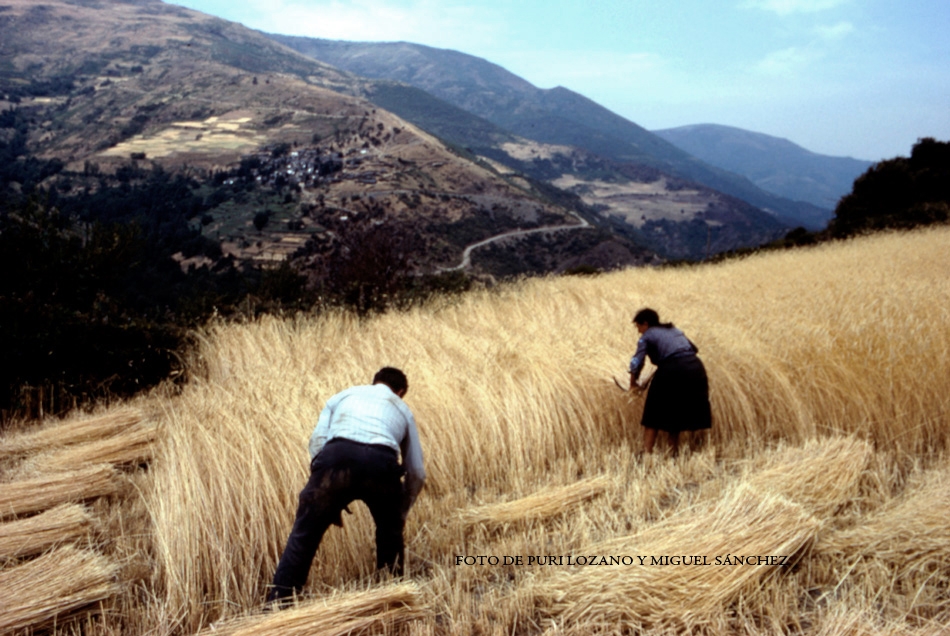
(861, 78)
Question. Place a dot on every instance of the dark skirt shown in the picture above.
(678, 397)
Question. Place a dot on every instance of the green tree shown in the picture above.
(899, 193)
(261, 219)
(68, 330)
(370, 267)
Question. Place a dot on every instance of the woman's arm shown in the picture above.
(637, 361)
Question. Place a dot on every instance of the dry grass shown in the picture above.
(661, 594)
(900, 550)
(362, 612)
(133, 445)
(68, 432)
(822, 475)
(41, 493)
(794, 343)
(830, 385)
(845, 622)
(768, 511)
(540, 505)
(47, 589)
(33, 535)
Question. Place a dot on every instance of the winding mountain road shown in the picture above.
(467, 253)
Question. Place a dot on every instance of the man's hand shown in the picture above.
(339, 517)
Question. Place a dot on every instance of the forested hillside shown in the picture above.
(903, 192)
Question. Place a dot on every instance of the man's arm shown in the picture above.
(412, 461)
(322, 430)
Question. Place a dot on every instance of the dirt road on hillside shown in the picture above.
(467, 253)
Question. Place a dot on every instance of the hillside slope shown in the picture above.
(774, 164)
(556, 116)
(110, 82)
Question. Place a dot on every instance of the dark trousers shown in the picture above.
(342, 472)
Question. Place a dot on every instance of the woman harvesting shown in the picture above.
(678, 397)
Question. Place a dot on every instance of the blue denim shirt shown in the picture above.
(659, 343)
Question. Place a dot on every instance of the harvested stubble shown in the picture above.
(49, 588)
(131, 446)
(908, 534)
(33, 535)
(744, 522)
(41, 493)
(541, 505)
(903, 547)
(73, 431)
(354, 613)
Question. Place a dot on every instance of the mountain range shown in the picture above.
(265, 132)
(774, 164)
(323, 136)
(556, 116)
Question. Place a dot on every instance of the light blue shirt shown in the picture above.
(373, 414)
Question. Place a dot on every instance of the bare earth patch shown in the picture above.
(637, 202)
(528, 150)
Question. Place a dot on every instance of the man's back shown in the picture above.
(370, 414)
(374, 414)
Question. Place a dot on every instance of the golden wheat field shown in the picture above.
(818, 504)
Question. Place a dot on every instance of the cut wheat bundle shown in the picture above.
(33, 535)
(845, 621)
(131, 446)
(41, 493)
(53, 586)
(677, 572)
(906, 540)
(540, 505)
(377, 610)
(821, 475)
(74, 431)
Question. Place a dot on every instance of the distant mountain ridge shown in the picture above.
(108, 82)
(774, 164)
(285, 153)
(493, 93)
(552, 116)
